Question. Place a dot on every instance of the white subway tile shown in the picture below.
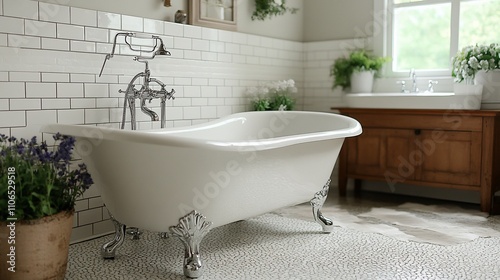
(67, 31)
(12, 118)
(246, 50)
(56, 103)
(240, 38)
(104, 48)
(81, 233)
(223, 111)
(82, 204)
(216, 82)
(200, 81)
(201, 45)
(209, 91)
(4, 104)
(40, 90)
(20, 41)
(182, 81)
(239, 59)
(37, 118)
(131, 23)
(96, 116)
(153, 26)
(55, 44)
(175, 113)
(199, 102)
(24, 77)
(81, 46)
(96, 90)
(4, 76)
(109, 20)
(208, 56)
(40, 28)
(3, 39)
(1, 7)
(11, 25)
(208, 112)
(70, 116)
(21, 8)
(225, 36)
(55, 77)
(12, 90)
(82, 78)
(174, 29)
(107, 79)
(216, 46)
(87, 103)
(96, 34)
(25, 104)
(182, 43)
(107, 102)
(224, 57)
(95, 202)
(215, 101)
(192, 91)
(103, 227)
(83, 17)
(232, 48)
(191, 31)
(195, 55)
(54, 13)
(209, 34)
(69, 90)
(192, 113)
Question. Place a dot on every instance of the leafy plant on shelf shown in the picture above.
(472, 59)
(273, 96)
(269, 8)
(43, 181)
(358, 60)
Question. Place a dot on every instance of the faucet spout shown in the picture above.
(147, 111)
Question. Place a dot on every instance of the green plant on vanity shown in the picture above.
(358, 60)
(269, 8)
(39, 187)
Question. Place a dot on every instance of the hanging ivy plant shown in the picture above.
(269, 8)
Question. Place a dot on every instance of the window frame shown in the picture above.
(383, 34)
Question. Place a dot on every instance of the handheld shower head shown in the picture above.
(161, 50)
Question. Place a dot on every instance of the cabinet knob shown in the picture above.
(418, 131)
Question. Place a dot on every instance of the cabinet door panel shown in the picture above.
(454, 159)
(378, 152)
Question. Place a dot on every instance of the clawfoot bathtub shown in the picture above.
(187, 180)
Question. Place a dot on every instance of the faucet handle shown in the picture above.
(430, 88)
(403, 86)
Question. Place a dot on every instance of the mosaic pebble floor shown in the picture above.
(275, 247)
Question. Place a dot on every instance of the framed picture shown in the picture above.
(220, 14)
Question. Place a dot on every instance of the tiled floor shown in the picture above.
(276, 247)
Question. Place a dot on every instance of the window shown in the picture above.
(426, 34)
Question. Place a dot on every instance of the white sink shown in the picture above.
(425, 100)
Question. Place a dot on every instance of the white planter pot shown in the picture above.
(362, 81)
(491, 85)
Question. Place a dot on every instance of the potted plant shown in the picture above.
(360, 66)
(477, 66)
(269, 8)
(274, 96)
(38, 190)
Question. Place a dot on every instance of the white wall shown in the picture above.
(337, 19)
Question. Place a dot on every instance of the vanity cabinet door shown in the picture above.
(377, 152)
(452, 158)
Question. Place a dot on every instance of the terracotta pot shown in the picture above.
(41, 247)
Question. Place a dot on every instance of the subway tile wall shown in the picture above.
(51, 55)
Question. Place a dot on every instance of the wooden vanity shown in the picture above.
(438, 148)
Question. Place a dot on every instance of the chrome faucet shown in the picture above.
(413, 76)
(145, 93)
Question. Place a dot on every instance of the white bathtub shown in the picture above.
(230, 169)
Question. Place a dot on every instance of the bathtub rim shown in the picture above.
(96, 134)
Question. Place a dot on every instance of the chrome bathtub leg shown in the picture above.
(317, 203)
(134, 232)
(108, 249)
(191, 230)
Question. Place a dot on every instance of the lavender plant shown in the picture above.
(44, 180)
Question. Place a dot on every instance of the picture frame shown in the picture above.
(219, 14)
